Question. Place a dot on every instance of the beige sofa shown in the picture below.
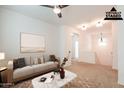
(28, 71)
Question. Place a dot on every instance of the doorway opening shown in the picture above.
(75, 46)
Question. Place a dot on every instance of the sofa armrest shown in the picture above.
(10, 72)
(10, 65)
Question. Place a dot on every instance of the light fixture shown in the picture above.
(99, 23)
(102, 41)
(83, 27)
(2, 56)
(56, 9)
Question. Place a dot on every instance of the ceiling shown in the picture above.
(73, 15)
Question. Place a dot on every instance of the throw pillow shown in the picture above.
(52, 58)
(15, 64)
(42, 59)
(35, 61)
(21, 62)
(39, 61)
(18, 63)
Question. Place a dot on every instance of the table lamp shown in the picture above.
(2, 55)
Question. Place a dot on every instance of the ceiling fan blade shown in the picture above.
(52, 6)
(60, 15)
(63, 6)
(49, 6)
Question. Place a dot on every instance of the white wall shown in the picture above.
(121, 52)
(62, 42)
(103, 53)
(12, 23)
(120, 42)
(88, 57)
(58, 39)
(66, 42)
(114, 37)
(86, 53)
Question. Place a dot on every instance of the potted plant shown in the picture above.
(61, 69)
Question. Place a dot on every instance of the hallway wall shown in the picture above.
(103, 53)
(66, 33)
(120, 46)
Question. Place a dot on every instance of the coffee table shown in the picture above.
(57, 82)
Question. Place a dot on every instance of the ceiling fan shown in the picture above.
(56, 9)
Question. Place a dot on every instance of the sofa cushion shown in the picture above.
(21, 72)
(44, 67)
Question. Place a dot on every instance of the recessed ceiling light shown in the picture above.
(99, 23)
(83, 27)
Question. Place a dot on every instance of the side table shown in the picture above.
(1, 70)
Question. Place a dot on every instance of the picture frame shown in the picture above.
(31, 43)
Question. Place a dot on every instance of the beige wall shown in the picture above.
(103, 53)
(114, 36)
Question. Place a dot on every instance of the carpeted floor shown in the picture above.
(88, 76)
